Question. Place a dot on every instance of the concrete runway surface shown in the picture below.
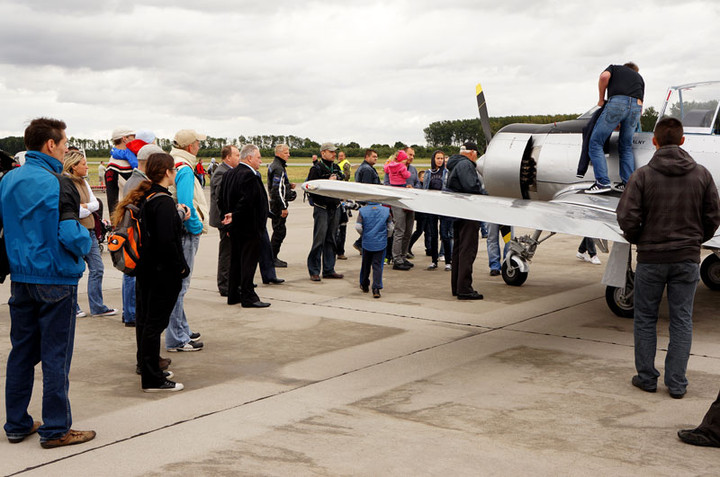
(328, 381)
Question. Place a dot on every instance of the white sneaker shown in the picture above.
(189, 346)
(448, 267)
(441, 258)
(80, 314)
(432, 266)
(583, 256)
(595, 260)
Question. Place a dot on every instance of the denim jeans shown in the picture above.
(493, 247)
(178, 331)
(128, 299)
(42, 330)
(372, 261)
(650, 280)
(95, 277)
(622, 110)
(325, 224)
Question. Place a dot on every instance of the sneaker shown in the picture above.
(645, 387)
(108, 312)
(448, 267)
(376, 293)
(583, 256)
(432, 266)
(401, 266)
(618, 187)
(408, 263)
(595, 260)
(189, 346)
(441, 258)
(194, 336)
(69, 439)
(341, 257)
(17, 439)
(598, 188)
(80, 314)
(410, 255)
(167, 386)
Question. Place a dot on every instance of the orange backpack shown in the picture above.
(124, 240)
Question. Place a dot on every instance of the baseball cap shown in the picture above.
(185, 137)
(328, 146)
(119, 133)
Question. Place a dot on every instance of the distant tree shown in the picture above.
(399, 145)
(648, 119)
(353, 144)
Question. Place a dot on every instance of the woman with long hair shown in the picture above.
(435, 180)
(161, 269)
(76, 168)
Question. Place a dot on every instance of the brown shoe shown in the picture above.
(164, 363)
(69, 439)
(333, 275)
(315, 278)
(15, 440)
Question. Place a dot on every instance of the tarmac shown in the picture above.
(532, 380)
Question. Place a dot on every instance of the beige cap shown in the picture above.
(147, 150)
(119, 133)
(185, 137)
(328, 146)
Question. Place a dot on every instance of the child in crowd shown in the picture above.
(397, 170)
(375, 226)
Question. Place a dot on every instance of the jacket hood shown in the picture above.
(672, 161)
(454, 160)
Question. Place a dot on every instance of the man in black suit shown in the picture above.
(244, 205)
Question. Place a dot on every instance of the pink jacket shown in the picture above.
(397, 172)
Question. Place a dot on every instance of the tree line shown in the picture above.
(447, 135)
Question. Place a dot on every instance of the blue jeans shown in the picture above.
(622, 110)
(95, 277)
(128, 298)
(446, 238)
(178, 331)
(372, 260)
(493, 247)
(650, 280)
(325, 224)
(42, 330)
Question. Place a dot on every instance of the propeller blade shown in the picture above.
(482, 109)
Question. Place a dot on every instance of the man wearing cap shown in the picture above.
(325, 217)
(463, 177)
(119, 166)
(189, 192)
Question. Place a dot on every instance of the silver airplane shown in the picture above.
(531, 173)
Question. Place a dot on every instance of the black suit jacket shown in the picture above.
(243, 194)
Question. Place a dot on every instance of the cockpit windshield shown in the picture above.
(696, 105)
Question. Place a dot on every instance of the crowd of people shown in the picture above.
(55, 232)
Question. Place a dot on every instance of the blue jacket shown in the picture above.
(374, 220)
(39, 210)
(126, 155)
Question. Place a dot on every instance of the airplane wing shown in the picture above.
(573, 213)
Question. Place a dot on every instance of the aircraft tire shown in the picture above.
(512, 275)
(618, 303)
(710, 272)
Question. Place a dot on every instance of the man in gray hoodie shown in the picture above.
(669, 208)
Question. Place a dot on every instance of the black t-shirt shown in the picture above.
(626, 82)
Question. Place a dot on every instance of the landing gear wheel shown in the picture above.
(620, 302)
(512, 274)
(710, 272)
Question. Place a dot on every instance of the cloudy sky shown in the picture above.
(364, 71)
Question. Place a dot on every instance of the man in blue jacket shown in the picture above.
(45, 244)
